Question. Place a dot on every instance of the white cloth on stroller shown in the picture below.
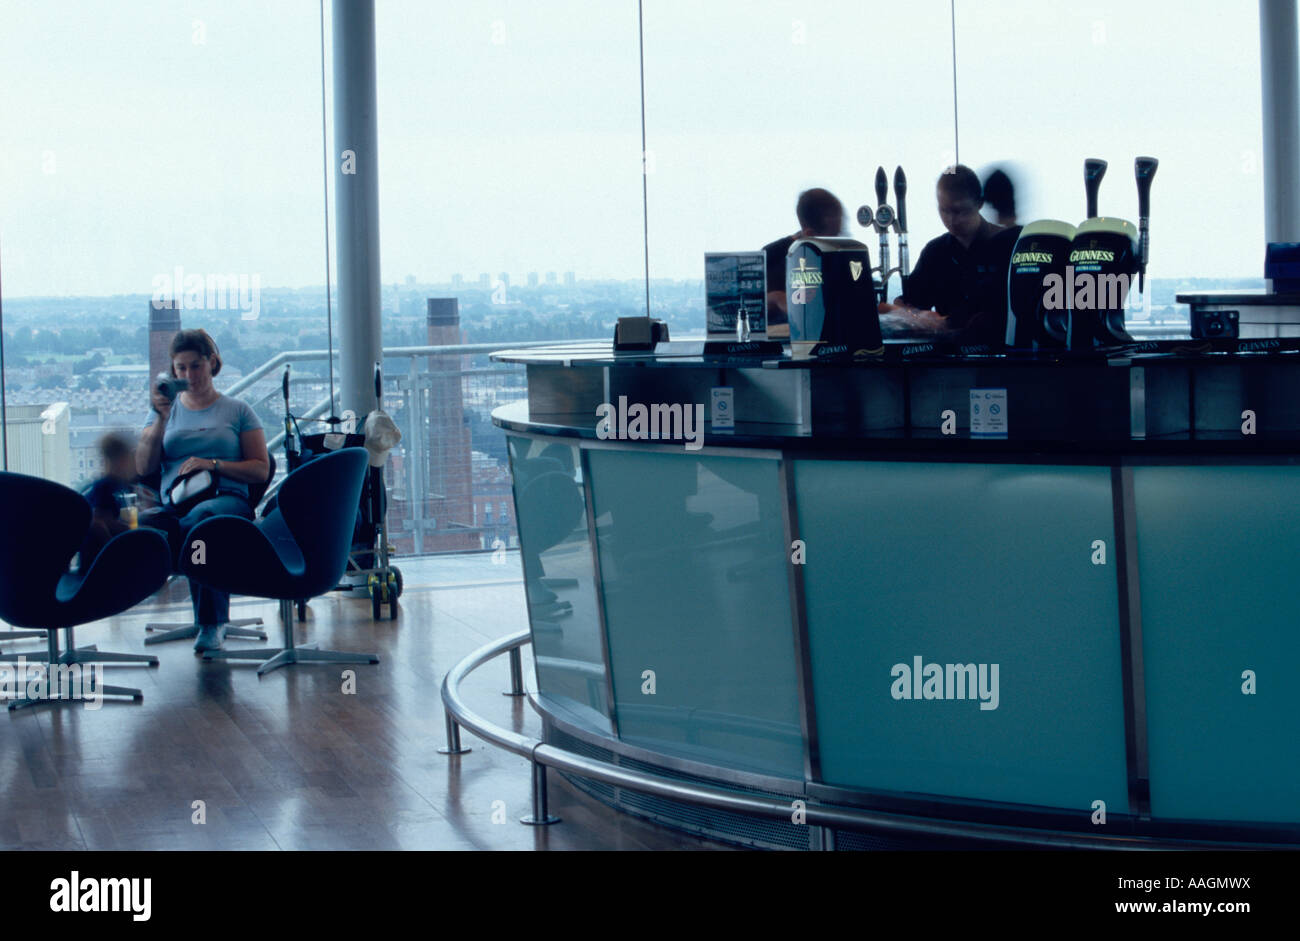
(382, 435)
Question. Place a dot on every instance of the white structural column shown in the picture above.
(356, 188)
(1280, 83)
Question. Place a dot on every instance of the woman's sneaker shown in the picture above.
(210, 638)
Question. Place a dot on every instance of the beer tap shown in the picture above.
(1145, 170)
(882, 219)
(1093, 170)
(900, 227)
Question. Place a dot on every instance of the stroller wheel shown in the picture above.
(376, 601)
(395, 581)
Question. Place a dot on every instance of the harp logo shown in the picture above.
(855, 269)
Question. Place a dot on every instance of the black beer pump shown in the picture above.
(1144, 168)
(900, 227)
(1093, 170)
(882, 220)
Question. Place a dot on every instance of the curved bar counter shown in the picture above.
(848, 600)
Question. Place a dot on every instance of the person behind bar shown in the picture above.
(819, 213)
(1000, 194)
(962, 275)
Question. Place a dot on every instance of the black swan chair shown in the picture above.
(46, 523)
(298, 550)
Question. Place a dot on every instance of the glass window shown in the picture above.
(748, 104)
(1046, 87)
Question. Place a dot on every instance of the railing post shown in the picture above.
(453, 746)
(823, 838)
(516, 673)
(539, 817)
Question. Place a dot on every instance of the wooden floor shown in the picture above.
(289, 761)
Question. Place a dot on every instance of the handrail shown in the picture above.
(543, 755)
(455, 349)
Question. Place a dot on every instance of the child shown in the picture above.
(107, 496)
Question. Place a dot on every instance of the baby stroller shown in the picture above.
(369, 556)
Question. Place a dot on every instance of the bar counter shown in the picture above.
(1081, 626)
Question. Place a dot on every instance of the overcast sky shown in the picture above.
(139, 135)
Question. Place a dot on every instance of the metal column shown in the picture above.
(356, 194)
(1280, 85)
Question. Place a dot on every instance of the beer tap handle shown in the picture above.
(1144, 168)
(900, 194)
(884, 219)
(1093, 170)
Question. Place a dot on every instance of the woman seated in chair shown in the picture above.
(210, 448)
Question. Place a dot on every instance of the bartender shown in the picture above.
(819, 213)
(962, 275)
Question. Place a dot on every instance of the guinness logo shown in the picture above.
(805, 276)
(855, 269)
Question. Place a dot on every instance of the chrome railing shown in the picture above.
(542, 755)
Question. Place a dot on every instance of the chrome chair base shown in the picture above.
(275, 657)
(41, 656)
(63, 698)
(15, 635)
(73, 656)
(90, 653)
(176, 630)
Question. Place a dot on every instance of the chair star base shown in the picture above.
(18, 635)
(65, 696)
(90, 653)
(71, 657)
(276, 657)
(290, 653)
(176, 630)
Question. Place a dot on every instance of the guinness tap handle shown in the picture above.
(882, 186)
(900, 193)
(1144, 168)
(1093, 170)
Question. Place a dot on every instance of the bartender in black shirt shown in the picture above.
(962, 275)
(819, 213)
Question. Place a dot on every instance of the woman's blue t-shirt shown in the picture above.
(211, 432)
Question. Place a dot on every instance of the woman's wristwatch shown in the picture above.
(216, 466)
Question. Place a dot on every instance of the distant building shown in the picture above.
(164, 323)
(504, 279)
(532, 279)
(494, 504)
(484, 281)
(569, 279)
(457, 280)
(40, 441)
(550, 277)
